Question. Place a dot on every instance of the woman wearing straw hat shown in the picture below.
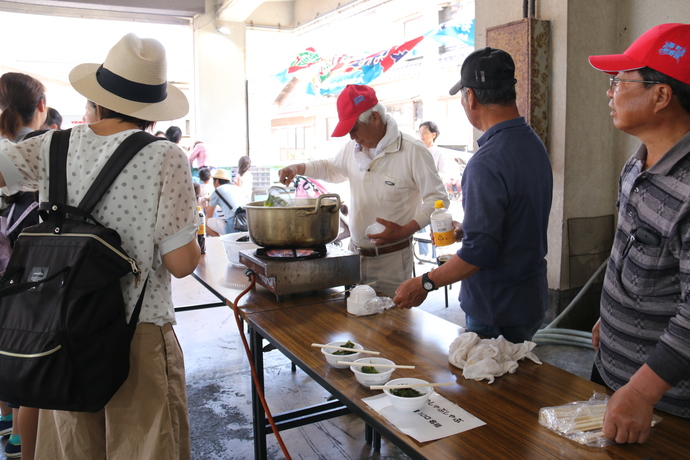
(152, 206)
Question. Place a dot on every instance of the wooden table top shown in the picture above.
(509, 406)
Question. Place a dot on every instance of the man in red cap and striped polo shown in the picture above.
(393, 181)
(643, 335)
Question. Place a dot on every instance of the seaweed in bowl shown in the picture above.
(347, 344)
(408, 399)
(373, 371)
(405, 392)
(333, 356)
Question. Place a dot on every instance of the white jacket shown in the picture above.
(400, 184)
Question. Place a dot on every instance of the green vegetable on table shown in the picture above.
(405, 392)
(348, 344)
(369, 370)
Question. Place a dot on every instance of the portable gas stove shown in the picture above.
(290, 271)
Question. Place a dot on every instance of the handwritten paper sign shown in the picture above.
(438, 419)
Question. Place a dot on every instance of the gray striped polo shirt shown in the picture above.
(645, 309)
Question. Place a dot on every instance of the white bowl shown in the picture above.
(374, 229)
(373, 379)
(333, 359)
(359, 296)
(408, 404)
(233, 247)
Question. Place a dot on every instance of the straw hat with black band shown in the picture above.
(132, 81)
(221, 174)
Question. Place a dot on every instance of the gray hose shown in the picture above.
(564, 338)
(552, 335)
(579, 295)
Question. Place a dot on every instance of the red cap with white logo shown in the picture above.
(663, 48)
(352, 102)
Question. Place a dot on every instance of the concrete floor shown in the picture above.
(219, 386)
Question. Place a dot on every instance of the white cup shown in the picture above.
(358, 297)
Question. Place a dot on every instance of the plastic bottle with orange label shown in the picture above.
(444, 234)
(201, 230)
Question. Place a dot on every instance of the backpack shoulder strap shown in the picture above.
(114, 166)
(57, 186)
(27, 211)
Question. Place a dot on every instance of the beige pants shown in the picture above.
(388, 271)
(145, 420)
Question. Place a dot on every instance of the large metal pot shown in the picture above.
(307, 223)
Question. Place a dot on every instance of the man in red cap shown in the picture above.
(643, 335)
(393, 181)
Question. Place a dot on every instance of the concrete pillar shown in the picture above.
(220, 93)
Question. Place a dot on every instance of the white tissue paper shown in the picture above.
(487, 359)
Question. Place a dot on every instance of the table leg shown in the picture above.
(373, 437)
(259, 421)
(376, 441)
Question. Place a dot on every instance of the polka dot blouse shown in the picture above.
(151, 204)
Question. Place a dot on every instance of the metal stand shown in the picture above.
(285, 420)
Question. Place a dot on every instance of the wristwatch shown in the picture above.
(427, 284)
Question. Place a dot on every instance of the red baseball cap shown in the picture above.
(352, 102)
(663, 48)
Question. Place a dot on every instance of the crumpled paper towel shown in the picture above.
(482, 359)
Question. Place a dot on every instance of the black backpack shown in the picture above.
(64, 337)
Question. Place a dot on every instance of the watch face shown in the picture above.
(428, 286)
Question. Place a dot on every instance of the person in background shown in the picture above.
(90, 115)
(198, 155)
(173, 134)
(428, 133)
(147, 417)
(448, 170)
(53, 120)
(507, 190)
(23, 105)
(393, 181)
(229, 197)
(160, 134)
(642, 339)
(24, 110)
(244, 178)
(206, 185)
(205, 182)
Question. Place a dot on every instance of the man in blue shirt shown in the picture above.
(506, 188)
(229, 197)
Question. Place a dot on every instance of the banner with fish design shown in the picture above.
(329, 76)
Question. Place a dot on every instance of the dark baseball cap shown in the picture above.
(486, 68)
